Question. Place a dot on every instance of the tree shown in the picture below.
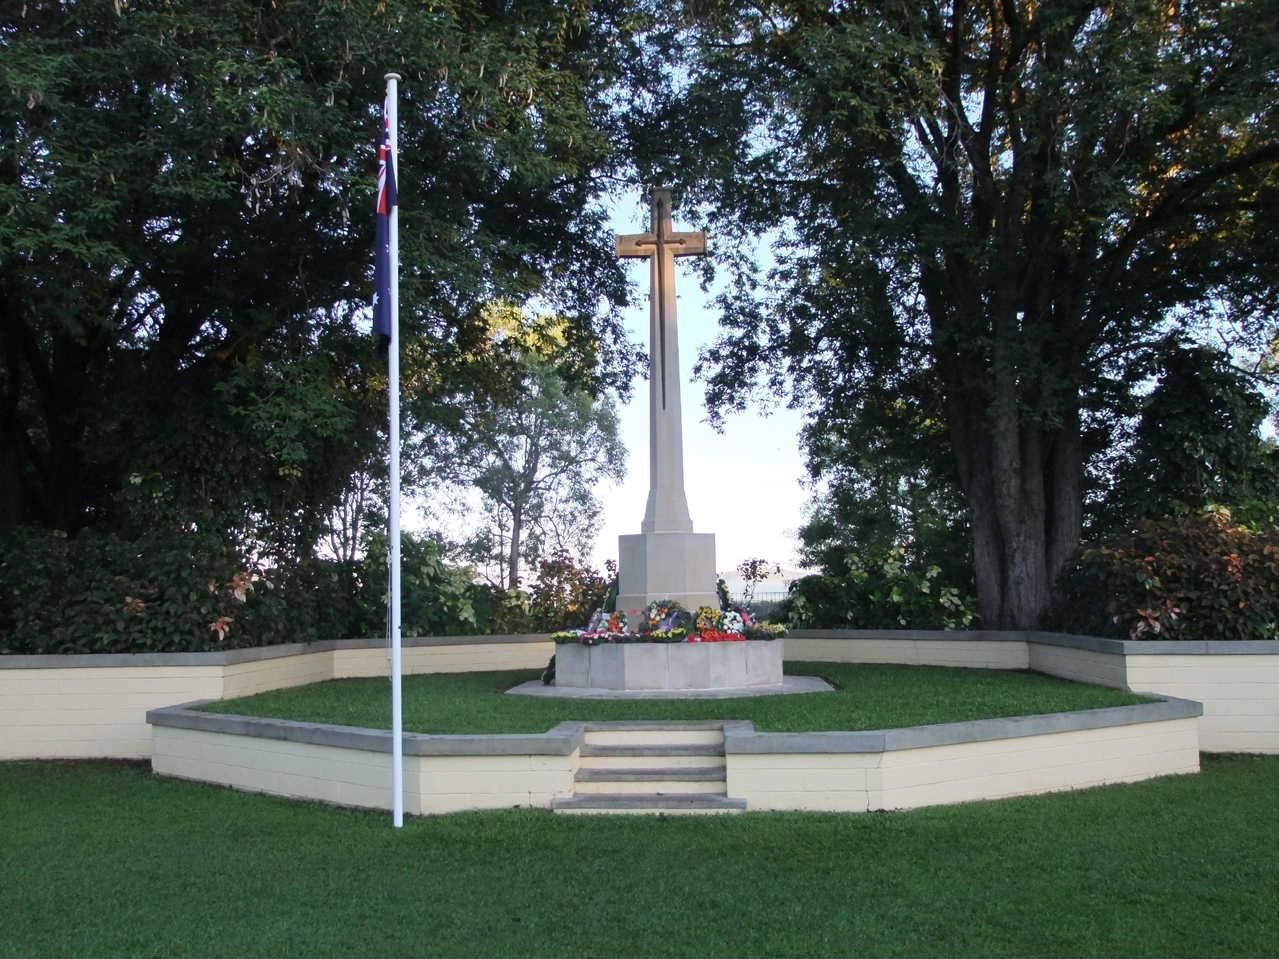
(1196, 445)
(753, 572)
(887, 482)
(535, 446)
(185, 250)
(991, 210)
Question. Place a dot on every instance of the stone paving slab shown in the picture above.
(789, 685)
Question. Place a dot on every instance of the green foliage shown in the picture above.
(185, 255)
(533, 441)
(722, 594)
(165, 591)
(435, 599)
(1200, 577)
(1197, 444)
(892, 593)
(982, 219)
(499, 610)
(565, 595)
(610, 598)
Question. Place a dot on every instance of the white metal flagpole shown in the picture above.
(393, 364)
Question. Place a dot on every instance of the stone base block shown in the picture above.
(670, 666)
(678, 566)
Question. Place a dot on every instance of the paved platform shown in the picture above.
(790, 685)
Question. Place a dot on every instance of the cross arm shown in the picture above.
(636, 245)
(645, 244)
(688, 244)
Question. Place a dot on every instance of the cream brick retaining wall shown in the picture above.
(976, 650)
(94, 706)
(860, 772)
(884, 769)
(352, 767)
(1240, 695)
(1238, 683)
(64, 712)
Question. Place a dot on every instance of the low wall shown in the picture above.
(352, 767)
(961, 762)
(1238, 683)
(834, 771)
(975, 650)
(1239, 690)
(94, 706)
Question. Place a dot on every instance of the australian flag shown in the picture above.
(388, 197)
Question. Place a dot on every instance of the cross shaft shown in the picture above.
(667, 505)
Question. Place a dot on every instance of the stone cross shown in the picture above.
(667, 509)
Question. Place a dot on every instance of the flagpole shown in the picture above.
(393, 364)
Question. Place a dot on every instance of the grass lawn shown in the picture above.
(866, 697)
(106, 859)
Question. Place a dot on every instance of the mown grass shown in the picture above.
(867, 697)
(107, 860)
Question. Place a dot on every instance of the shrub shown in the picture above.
(436, 599)
(165, 591)
(1200, 577)
(565, 594)
(883, 593)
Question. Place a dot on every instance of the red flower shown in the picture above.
(717, 636)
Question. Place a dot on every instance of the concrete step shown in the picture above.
(709, 780)
(665, 760)
(654, 737)
(604, 725)
(653, 787)
(641, 773)
(671, 804)
(641, 751)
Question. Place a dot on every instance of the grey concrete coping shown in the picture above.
(252, 654)
(648, 725)
(559, 741)
(1097, 644)
(789, 686)
(743, 740)
(914, 635)
(502, 639)
(739, 735)
(231, 657)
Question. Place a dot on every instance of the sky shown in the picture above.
(747, 484)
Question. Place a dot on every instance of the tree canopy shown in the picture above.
(983, 215)
(535, 445)
(185, 251)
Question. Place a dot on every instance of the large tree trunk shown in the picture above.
(41, 482)
(1023, 485)
(1025, 520)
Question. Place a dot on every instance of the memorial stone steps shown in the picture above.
(668, 768)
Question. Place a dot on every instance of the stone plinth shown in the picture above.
(751, 664)
(656, 566)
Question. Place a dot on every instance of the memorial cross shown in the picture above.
(667, 509)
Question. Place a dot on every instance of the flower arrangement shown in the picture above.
(666, 621)
(764, 631)
(708, 617)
